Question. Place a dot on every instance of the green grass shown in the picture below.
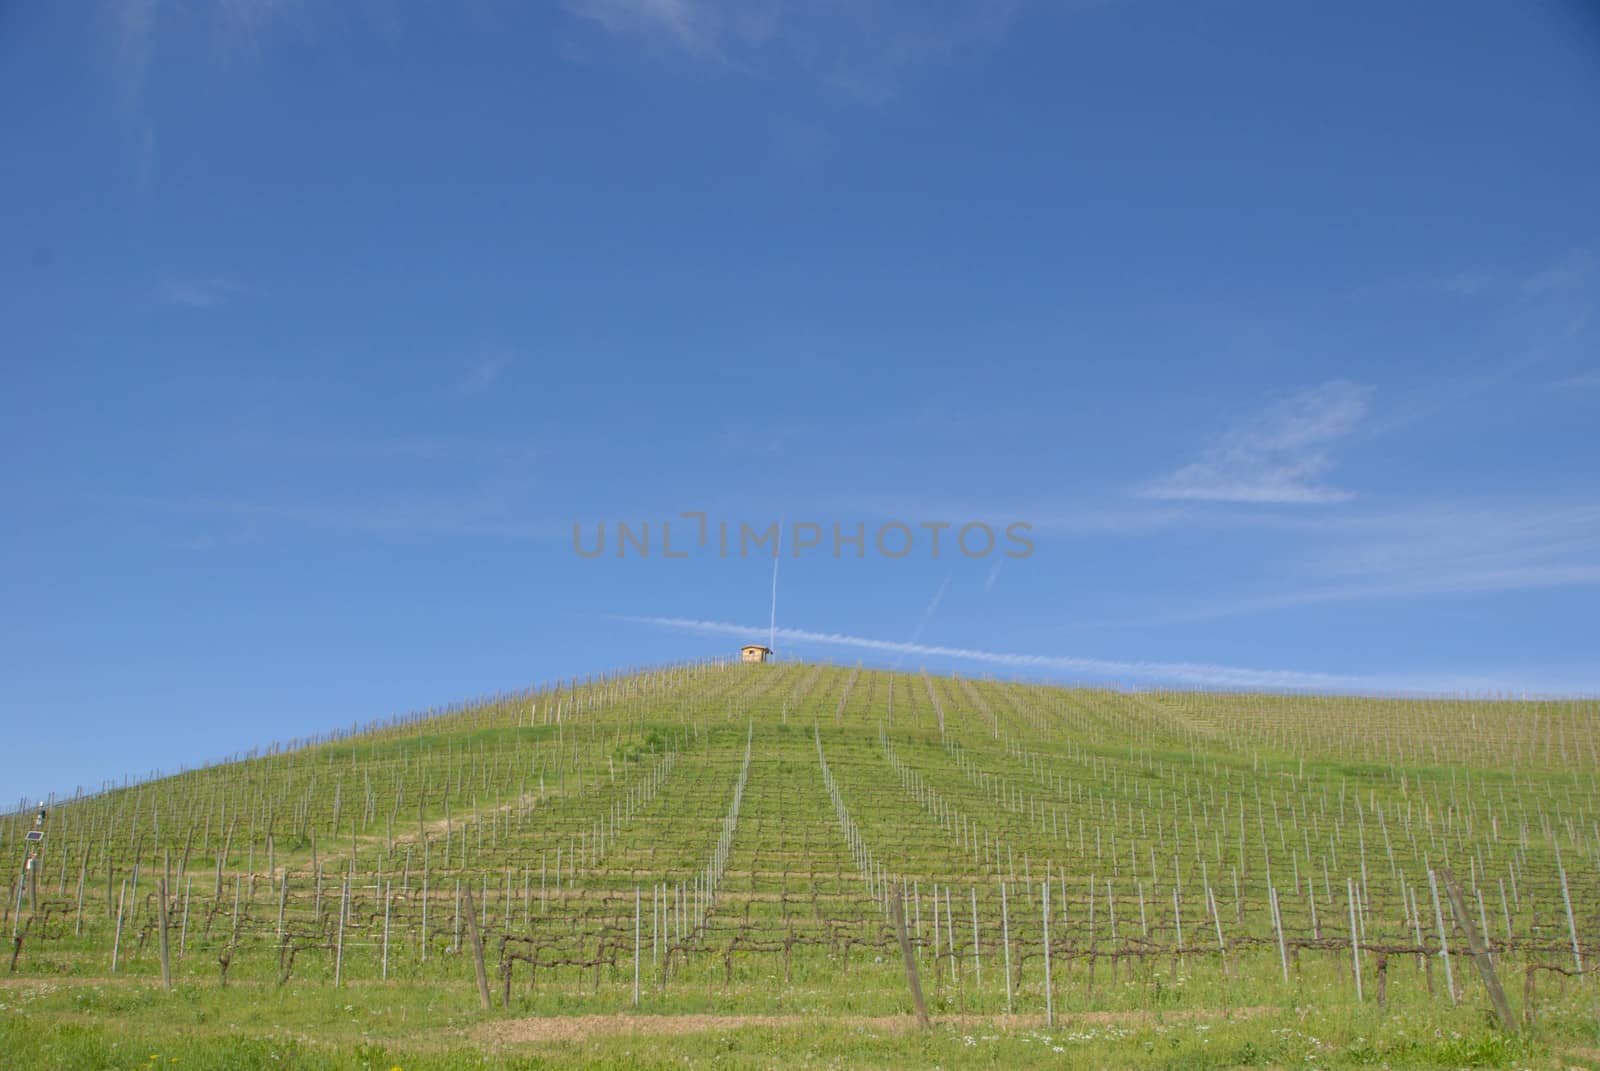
(412, 1029)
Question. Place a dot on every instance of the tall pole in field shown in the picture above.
(1005, 936)
(1277, 925)
(977, 960)
(33, 869)
(166, 960)
(1480, 952)
(1572, 926)
(183, 929)
(898, 912)
(338, 955)
(1355, 945)
(1049, 999)
(1444, 941)
(477, 951)
(950, 933)
(116, 941)
(83, 875)
(386, 891)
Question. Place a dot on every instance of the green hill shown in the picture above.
(719, 847)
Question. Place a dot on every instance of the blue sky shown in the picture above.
(325, 324)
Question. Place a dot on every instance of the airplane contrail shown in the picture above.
(772, 627)
(1193, 674)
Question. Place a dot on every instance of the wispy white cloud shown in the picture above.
(1572, 274)
(135, 54)
(237, 30)
(770, 438)
(136, 22)
(864, 49)
(1428, 550)
(1461, 283)
(1507, 534)
(1089, 515)
(1569, 273)
(1370, 553)
(1188, 674)
(416, 515)
(484, 373)
(498, 454)
(491, 513)
(240, 25)
(698, 26)
(800, 148)
(1580, 382)
(201, 292)
(1278, 456)
(1468, 582)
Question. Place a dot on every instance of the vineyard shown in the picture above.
(813, 842)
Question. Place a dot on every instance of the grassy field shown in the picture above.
(700, 865)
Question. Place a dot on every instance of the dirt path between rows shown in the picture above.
(62, 981)
(583, 1027)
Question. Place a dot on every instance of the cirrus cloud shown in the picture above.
(1278, 456)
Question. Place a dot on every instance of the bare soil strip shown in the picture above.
(584, 1027)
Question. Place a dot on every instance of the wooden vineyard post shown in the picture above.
(950, 933)
(1416, 928)
(338, 955)
(1480, 952)
(1005, 936)
(386, 894)
(1355, 939)
(116, 940)
(83, 876)
(916, 909)
(897, 909)
(636, 904)
(1222, 946)
(183, 930)
(477, 949)
(1572, 925)
(1177, 923)
(977, 959)
(1444, 940)
(161, 918)
(1049, 998)
(1277, 926)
